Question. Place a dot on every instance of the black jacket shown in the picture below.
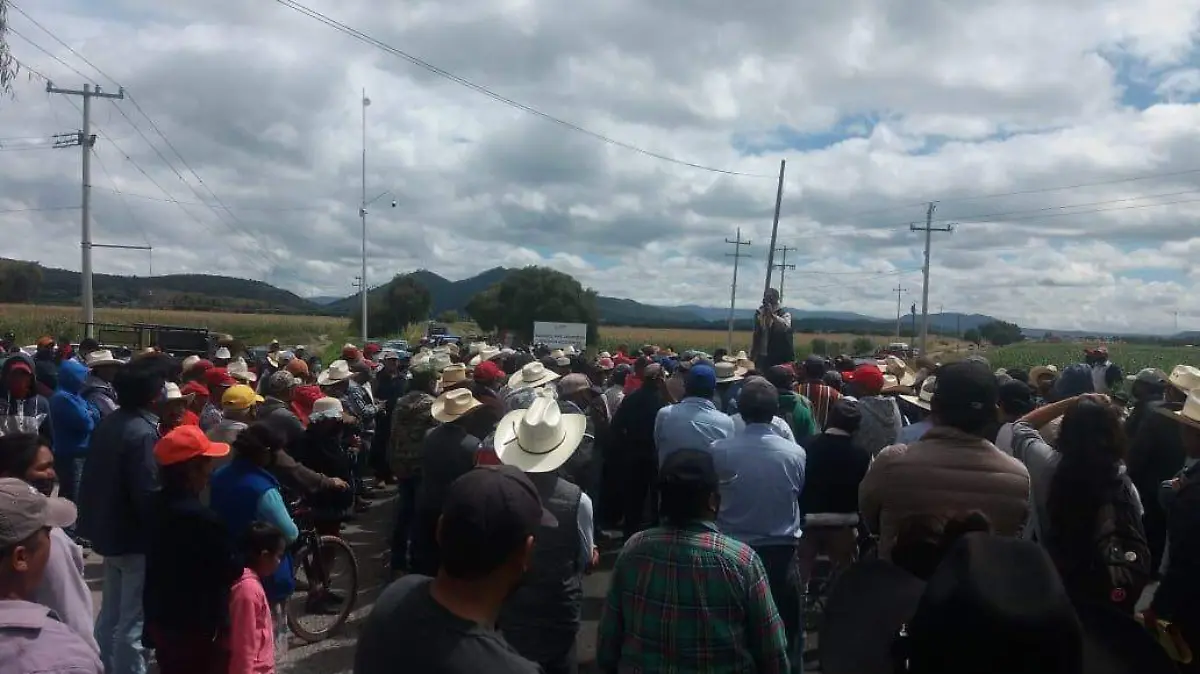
(631, 436)
(190, 566)
(832, 472)
(1178, 596)
(326, 454)
(1156, 454)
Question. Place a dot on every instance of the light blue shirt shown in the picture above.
(762, 476)
(692, 423)
(913, 432)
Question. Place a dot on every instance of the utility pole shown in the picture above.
(929, 229)
(775, 226)
(86, 141)
(362, 213)
(783, 266)
(737, 244)
(899, 291)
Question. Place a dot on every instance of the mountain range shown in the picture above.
(209, 292)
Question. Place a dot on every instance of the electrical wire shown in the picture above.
(47, 52)
(379, 44)
(39, 209)
(129, 210)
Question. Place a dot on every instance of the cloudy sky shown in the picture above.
(1063, 136)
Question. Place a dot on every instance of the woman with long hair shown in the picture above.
(1092, 506)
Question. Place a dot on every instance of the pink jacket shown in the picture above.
(251, 631)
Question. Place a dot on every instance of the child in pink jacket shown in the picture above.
(251, 630)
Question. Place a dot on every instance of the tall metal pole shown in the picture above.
(775, 226)
(736, 255)
(362, 212)
(929, 229)
(899, 290)
(86, 142)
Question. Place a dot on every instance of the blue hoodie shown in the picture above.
(71, 416)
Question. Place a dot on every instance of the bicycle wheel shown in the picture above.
(329, 576)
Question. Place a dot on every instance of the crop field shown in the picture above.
(1131, 357)
(711, 340)
(31, 321)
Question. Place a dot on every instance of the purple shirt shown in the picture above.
(33, 640)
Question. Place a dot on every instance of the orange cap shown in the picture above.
(184, 443)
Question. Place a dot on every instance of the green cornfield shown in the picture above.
(1131, 357)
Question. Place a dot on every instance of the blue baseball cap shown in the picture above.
(701, 377)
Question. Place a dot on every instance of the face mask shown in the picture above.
(20, 387)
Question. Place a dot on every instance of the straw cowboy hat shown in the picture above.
(558, 353)
(900, 372)
(440, 361)
(1190, 414)
(924, 397)
(338, 370)
(105, 357)
(539, 439)
(223, 354)
(173, 393)
(327, 408)
(1041, 371)
(741, 355)
(476, 347)
(1185, 378)
(727, 372)
(452, 375)
(570, 350)
(485, 354)
(533, 374)
(453, 404)
(238, 369)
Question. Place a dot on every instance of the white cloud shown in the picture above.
(876, 106)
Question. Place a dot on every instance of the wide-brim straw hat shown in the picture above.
(453, 404)
(727, 372)
(533, 374)
(454, 374)
(238, 369)
(484, 355)
(539, 439)
(1185, 378)
(174, 393)
(924, 397)
(104, 357)
(1190, 414)
(338, 370)
(1041, 371)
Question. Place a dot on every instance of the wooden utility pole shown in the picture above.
(929, 229)
(737, 244)
(783, 267)
(775, 226)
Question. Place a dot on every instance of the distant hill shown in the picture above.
(322, 300)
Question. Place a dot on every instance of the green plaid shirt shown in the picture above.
(690, 599)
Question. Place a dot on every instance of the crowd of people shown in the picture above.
(961, 518)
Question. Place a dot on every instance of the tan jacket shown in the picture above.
(945, 473)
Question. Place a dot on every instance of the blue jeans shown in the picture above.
(119, 626)
(70, 473)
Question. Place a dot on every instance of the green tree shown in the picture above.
(448, 316)
(862, 346)
(1001, 333)
(20, 282)
(395, 306)
(820, 346)
(972, 335)
(535, 294)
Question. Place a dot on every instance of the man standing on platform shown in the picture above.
(772, 334)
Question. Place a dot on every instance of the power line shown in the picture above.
(132, 218)
(39, 208)
(47, 52)
(365, 38)
(68, 47)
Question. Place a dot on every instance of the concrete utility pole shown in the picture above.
(929, 229)
(899, 291)
(86, 140)
(775, 226)
(737, 244)
(783, 266)
(362, 213)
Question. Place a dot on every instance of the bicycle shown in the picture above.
(318, 564)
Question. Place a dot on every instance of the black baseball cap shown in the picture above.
(1016, 397)
(489, 513)
(688, 468)
(966, 385)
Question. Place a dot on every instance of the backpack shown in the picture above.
(1122, 550)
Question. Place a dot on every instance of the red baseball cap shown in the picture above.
(21, 366)
(203, 365)
(371, 349)
(185, 443)
(218, 376)
(487, 371)
(195, 388)
(869, 377)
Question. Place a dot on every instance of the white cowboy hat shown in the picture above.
(453, 404)
(327, 408)
(485, 354)
(338, 370)
(727, 372)
(476, 347)
(741, 355)
(539, 439)
(558, 353)
(533, 374)
(1190, 414)
(571, 350)
(897, 374)
(1185, 378)
(924, 397)
(105, 357)
(1041, 371)
(728, 359)
(454, 374)
(173, 392)
(238, 369)
(604, 354)
(223, 354)
(187, 364)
